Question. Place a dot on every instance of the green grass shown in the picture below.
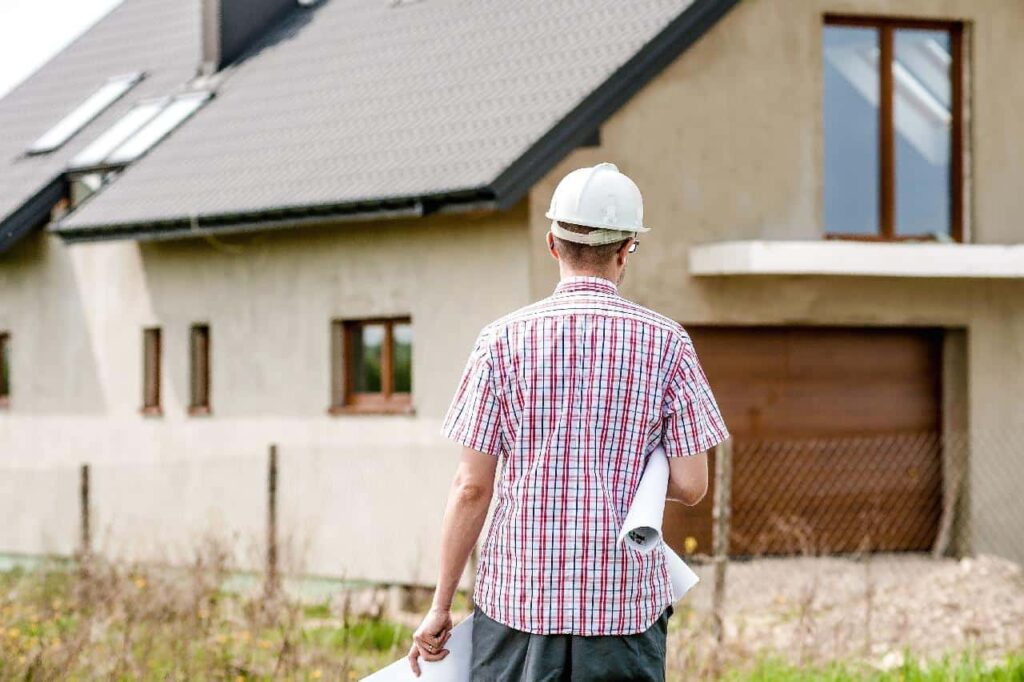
(967, 667)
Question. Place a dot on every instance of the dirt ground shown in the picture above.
(818, 609)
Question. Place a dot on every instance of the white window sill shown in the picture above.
(857, 259)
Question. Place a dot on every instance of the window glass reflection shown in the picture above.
(923, 124)
(851, 90)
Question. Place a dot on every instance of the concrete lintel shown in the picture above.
(858, 259)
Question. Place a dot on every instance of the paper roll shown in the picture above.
(680, 575)
(641, 528)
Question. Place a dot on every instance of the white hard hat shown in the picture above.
(600, 197)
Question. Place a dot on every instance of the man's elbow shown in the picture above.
(689, 493)
(472, 493)
(692, 496)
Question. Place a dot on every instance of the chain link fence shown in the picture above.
(872, 548)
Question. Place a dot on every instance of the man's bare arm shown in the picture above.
(688, 478)
(468, 501)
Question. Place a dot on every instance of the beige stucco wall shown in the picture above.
(726, 144)
(348, 483)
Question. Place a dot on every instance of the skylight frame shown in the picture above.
(127, 140)
(179, 109)
(85, 113)
(96, 153)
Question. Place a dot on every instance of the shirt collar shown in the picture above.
(586, 283)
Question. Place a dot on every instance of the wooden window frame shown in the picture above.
(199, 369)
(151, 371)
(886, 134)
(5, 374)
(345, 400)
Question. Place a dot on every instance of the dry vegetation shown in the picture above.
(99, 620)
(786, 619)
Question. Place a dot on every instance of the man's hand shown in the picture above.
(468, 500)
(430, 637)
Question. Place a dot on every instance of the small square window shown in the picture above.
(371, 365)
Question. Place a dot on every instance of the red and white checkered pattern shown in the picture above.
(574, 392)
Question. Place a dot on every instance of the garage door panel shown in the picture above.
(835, 435)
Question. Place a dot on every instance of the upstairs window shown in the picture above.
(371, 365)
(5, 369)
(199, 369)
(141, 128)
(893, 129)
(84, 113)
(151, 371)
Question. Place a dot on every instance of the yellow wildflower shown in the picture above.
(316, 674)
(140, 583)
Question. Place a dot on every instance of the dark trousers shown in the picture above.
(503, 654)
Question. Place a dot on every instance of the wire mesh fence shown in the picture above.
(867, 547)
(870, 547)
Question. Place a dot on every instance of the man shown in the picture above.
(572, 393)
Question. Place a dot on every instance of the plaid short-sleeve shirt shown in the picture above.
(574, 392)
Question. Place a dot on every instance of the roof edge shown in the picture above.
(573, 130)
(31, 215)
(183, 228)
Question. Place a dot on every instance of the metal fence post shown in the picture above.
(85, 531)
(272, 576)
(720, 540)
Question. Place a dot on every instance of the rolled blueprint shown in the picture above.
(681, 576)
(453, 668)
(641, 529)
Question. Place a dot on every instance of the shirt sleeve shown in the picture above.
(473, 418)
(691, 420)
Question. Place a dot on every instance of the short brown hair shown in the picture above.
(585, 255)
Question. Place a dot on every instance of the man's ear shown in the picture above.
(550, 239)
(620, 253)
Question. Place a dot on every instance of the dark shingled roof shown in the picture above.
(357, 106)
(160, 37)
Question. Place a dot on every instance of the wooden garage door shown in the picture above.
(836, 439)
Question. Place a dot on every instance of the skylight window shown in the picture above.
(85, 112)
(173, 115)
(102, 147)
(139, 130)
